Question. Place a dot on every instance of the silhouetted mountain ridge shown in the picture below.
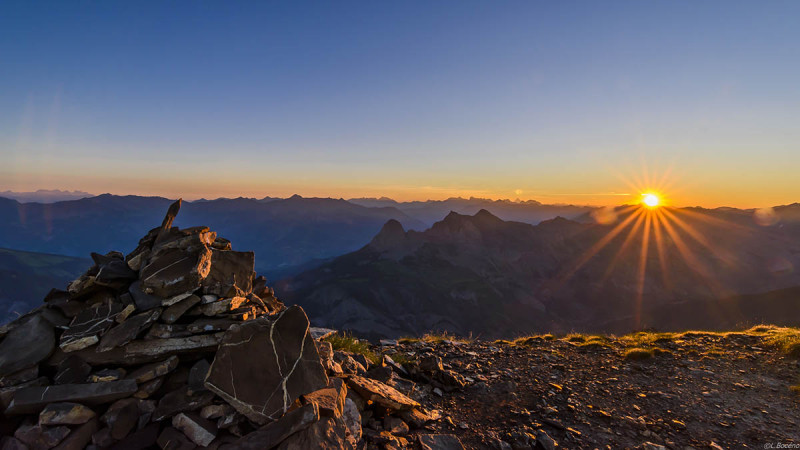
(480, 274)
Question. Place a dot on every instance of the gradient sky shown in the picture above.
(554, 101)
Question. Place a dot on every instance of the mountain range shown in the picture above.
(26, 277)
(431, 211)
(289, 235)
(283, 232)
(478, 274)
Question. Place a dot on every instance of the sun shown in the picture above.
(651, 200)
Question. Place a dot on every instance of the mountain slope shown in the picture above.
(283, 233)
(479, 274)
(26, 277)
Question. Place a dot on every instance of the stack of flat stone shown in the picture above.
(178, 345)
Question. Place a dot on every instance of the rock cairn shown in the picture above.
(178, 345)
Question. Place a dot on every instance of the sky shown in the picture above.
(563, 102)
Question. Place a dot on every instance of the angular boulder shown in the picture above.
(127, 330)
(87, 327)
(263, 366)
(380, 393)
(231, 273)
(276, 432)
(26, 344)
(65, 414)
(175, 272)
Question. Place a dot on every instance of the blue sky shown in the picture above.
(557, 101)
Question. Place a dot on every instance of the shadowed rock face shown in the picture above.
(26, 345)
(280, 353)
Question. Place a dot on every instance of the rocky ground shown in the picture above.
(704, 390)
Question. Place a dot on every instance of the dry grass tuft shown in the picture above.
(637, 354)
(434, 338)
(786, 340)
(348, 343)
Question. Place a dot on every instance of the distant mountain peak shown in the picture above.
(392, 233)
(484, 215)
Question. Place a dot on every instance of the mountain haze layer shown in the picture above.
(283, 232)
(431, 211)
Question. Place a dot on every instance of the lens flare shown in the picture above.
(651, 200)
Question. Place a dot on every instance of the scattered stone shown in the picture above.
(34, 399)
(106, 375)
(544, 441)
(181, 400)
(126, 311)
(164, 331)
(395, 425)
(87, 327)
(431, 364)
(280, 352)
(149, 388)
(37, 436)
(143, 301)
(128, 330)
(380, 393)
(198, 430)
(330, 399)
(219, 307)
(165, 347)
(65, 414)
(327, 433)
(151, 371)
(198, 374)
(215, 411)
(276, 432)
(121, 417)
(115, 274)
(175, 311)
(209, 325)
(321, 333)
(11, 443)
(22, 376)
(352, 418)
(439, 442)
(140, 440)
(172, 439)
(80, 436)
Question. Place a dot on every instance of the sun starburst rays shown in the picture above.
(664, 232)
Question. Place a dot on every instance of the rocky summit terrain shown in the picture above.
(180, 345)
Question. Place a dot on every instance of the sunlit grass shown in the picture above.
(637, 354)
(348, 343)
(785, 340)
(434, 338)
(401, 358)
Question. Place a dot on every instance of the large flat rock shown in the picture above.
(34, 399)
(28, 343)
(263, 366)
(380, 393)
(175, 272)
